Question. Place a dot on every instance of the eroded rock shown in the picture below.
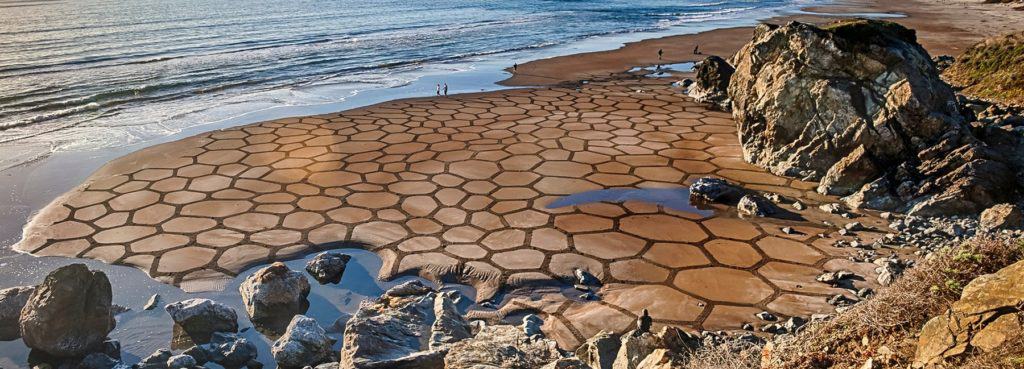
(710, 189)
(986, 316)
(1001, 216)
(501, 346)
(273, 295)
(69, 314)
(599, 352)
(712, 84)
(304, 343)
(328, 267)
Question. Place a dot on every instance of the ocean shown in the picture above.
(85, 75)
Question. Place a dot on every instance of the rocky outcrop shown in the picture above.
(987, 315)
(303, 344)
(410, 326)
(849, 174)
(501, 346)
(12, 300)
(635, 346)
(712, 84)
(328, 267)
(805, 98)
(201, 318)
(69, 314)
(273, 295)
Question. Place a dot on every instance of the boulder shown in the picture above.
(712, 84)
(987, 316)
(303, 343)
(501, 346)
(849, 174)
(410, 326)
(635, 347)
(328, 267)
(201, 318)
(230, 351)
(69, 314)
(804, 98)
(998, 217)
(273, 295)
(599, 351)
(962, 181)
(710, 189)
(661, 359)
(876, 195)
(12, 300)
(156, 360)
(566, 363)
(181, 362)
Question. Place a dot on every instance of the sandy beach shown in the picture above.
(466, 188)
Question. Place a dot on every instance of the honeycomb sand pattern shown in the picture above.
(456, 189)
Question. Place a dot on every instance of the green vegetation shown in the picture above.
(993, 70)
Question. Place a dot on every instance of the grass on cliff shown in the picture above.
(889, 321)
(992, 69)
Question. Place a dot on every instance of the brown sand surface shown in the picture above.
(458, 189)
(943, 27)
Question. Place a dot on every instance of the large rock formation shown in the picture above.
(410, 326)
(69, 314)
(273, 295)
(12, 300)
(987, 315)
(805, 97)
(201, 318)
(711, 86)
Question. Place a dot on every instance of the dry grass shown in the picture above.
(993, 70)
(889, 321)
(736, 355)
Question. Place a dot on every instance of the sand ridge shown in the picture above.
(457, 189)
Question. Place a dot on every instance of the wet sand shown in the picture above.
(943, 27)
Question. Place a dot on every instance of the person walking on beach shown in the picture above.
(515, 67)
(696, 49)
(446, 88)
(438, 89)
(660, 53)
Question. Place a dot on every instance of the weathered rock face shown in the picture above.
(68, 315)
(849, 174)
(201, 318)
(635, 347)
(599, 351)
(328, 267)
(303, 344)
(501, 346)
(1002, 216)
(804, 97)
(410, 326)
(12, 300)
(987, 315)
(712, 84)
(273, 295)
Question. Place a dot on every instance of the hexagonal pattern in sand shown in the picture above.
(464, 188)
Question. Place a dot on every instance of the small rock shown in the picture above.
(531, 325)
(832, 208)
(708, 189)
(799, 206)
(794, 323)
(156, 360)
(1002, 216)
(328, 267)
(229, 350)
(153, 302)
(854, 226)
(766, 316)
(304, 343)
(755, 206)
(201, 318)
(584, 277)
(789, 230)
(181, 362)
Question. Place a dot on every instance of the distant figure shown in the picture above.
(515, 67)
(643, 324)
(696, 49)
(438, 89)
(660, 53)
(446, 89)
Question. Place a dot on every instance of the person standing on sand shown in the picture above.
(438, 89)
(515, 67)
(446, 88)
(660, 53)
(696, 49)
